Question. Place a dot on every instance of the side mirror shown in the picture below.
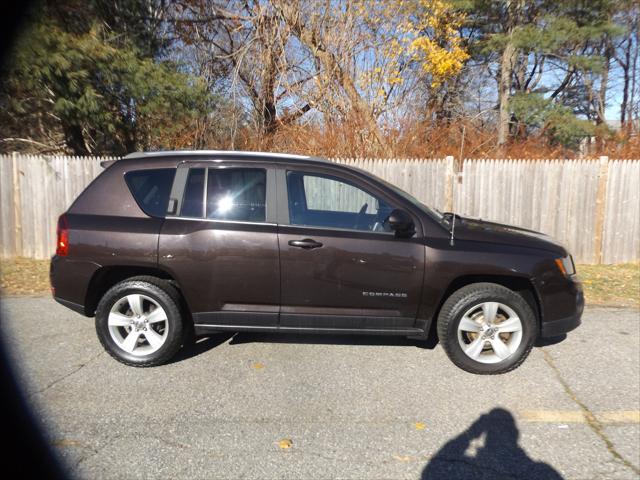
(401, 223)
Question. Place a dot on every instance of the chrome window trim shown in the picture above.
(213, 220)
(336, 229)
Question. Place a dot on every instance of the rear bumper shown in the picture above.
(70, 280)
(76, 307)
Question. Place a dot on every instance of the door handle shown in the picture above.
(307, 244)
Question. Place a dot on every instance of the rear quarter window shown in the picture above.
(151, 189)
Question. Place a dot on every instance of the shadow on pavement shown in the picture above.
(204, 344)
(545, 342)
(331, 339)
(201, 345)
(488, 449)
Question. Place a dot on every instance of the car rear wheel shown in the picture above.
(139, 323)
(486, 328)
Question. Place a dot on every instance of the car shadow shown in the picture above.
(201, 345)
(333, 339)
(548, 341)
(206, 343)
(488, 449)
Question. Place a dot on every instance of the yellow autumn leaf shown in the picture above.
(285, 443)
(420, 426)
(403, 458)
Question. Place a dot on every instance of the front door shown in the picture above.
(341, 266)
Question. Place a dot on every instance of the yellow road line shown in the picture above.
(577, 416)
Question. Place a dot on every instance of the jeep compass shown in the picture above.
(165, 246)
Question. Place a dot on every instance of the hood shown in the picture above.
(478, 230)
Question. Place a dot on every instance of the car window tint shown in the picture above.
(236, 194)
(324, 201)
(151, 189)
(193, 198)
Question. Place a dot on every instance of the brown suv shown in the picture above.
(165, 245)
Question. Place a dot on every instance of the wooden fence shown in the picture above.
(593, 207)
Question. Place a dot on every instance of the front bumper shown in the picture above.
(566, 324)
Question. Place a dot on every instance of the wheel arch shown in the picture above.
(521, 285)
(106, 277)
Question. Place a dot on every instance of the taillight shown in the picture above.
(62, 247)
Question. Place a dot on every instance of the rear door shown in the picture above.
(341, 266)
(220, 242)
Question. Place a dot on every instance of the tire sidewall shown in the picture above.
(174, 321)
(508, 298)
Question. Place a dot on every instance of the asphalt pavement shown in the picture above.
(353, 407)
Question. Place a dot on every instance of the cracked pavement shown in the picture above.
(351, 407)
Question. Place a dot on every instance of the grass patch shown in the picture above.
(611, 285)
(24, 276)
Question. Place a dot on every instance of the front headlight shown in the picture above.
(566, 266)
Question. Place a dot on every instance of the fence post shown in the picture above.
(450, 176)
(17, 203)
(601, 200)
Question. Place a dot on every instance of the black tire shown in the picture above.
(466, 298)
(161, 292)
(188, 330)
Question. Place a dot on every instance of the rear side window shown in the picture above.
(236, 194)
(151, 189)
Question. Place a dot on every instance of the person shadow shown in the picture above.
(488, 449)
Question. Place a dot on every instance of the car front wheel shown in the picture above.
(486, 328)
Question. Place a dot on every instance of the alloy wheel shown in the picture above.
(138, 324)
(489, 332)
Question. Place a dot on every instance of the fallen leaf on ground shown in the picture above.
(285, 443)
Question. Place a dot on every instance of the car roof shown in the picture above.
(197, 154)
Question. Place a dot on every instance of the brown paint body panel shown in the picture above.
(344, 276)
(223, 264)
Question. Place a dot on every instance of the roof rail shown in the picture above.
(175, 153)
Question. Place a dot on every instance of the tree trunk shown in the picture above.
(633, 108)
(604, 83)
(75, 139)
(507, 65)
(504, 92)
(626, 66)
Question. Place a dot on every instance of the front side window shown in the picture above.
(236, 194)
(325, 201)
(151, 189)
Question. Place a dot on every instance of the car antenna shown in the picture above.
(453, 227)
(453, 194)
